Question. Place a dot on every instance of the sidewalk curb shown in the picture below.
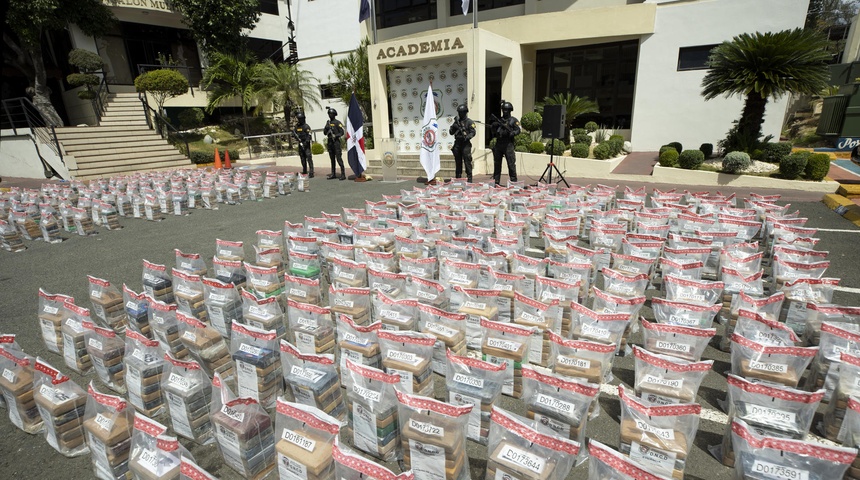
(843, 206)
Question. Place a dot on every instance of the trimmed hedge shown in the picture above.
(666, 147)
(707, 149)
(523, 139)
(583, 139)
(521, 148)
(531, 121)
(591, 126)
(817, 166)
(776, 151)
(603, 151)
(669, 157)
(734, 162)
(537, 147)
(579, 150)
(317, 148)
(557, 149)
(791, 166)
(191, 118)
(677, 146)
(691, 159)
(578, 131)
(197, 157)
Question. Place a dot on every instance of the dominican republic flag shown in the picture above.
(364, 11)
(355, 138)
(429, 155)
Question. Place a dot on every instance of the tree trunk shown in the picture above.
(749, 126)
(40, 91)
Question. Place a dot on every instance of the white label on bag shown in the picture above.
(179, 414)
(426, 428)
(530, 317)
(628, 268)
(683, 320)
(104, 422)
(655, 460)
(9, 375)
(673, 346)
(246, 374)
(250, 349)
(768, 367)
(503, 344)
(344, 303)
(367, 394)
(405, 379)
(551, 426)
(299, 440)
(307, 322)
(772, 415)
(664, 433)
(574, 362)
(427, 461)
(440, 329)
(594, 331)
(364, 428)
(290, 469)
(95, 344)
(504, 287)
(295, 292)
(555, 404)
(425, 295)
(307, 373)
(691, 296)
(475, 305)
(232, 413)
(473, 428)
(179, 381)
(655, 380)
(523, 458)
(44, 391)
(49, 334)
(405, 357)
(352, 338)
(469, 380)
(772, 470)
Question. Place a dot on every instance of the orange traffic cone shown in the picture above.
(227, 159)
(217, 159)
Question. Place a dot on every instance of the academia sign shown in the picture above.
(158, 5)
(412, 49)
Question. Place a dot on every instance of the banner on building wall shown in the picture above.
(407, 89)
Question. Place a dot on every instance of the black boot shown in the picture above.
(311, 165)
(332, 176)
(342, 174)
(311, 175)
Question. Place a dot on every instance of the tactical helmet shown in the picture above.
(507, 107)
(332, 112)
(301, 117)
(463, 108)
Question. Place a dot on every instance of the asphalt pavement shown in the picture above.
(117, 255)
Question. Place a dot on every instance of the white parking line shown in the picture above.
(837, 230)
(847, 289)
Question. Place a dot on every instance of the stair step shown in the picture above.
(120, 159)
(100, 129)
(107, 138)
(136, 150)
(130, 109)
(108, 171)
(122, 116)
(129, 123)
(89, 147)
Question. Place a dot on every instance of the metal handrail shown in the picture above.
(186, 71)
(100, 100)
(20, 113)
(156, 121)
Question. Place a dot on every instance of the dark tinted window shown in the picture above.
(269, 6)
(694, 58)
(391, 13)
(263, 49)
(457, 5)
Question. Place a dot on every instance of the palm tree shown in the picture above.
(286, 86)
(574, 106)
(230, 76)
(759, 66)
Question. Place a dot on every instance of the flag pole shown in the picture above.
(474, 13)
(373, 19)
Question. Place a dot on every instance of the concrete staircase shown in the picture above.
(121, 144)
(409, 166)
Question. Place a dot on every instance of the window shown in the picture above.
(269, 6)
(329, 90)
(391, 13)
(457, 5)
(694, 58)
(605, 73)
(263, 49)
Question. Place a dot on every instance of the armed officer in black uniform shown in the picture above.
(463, 130)
(505, 129)
(303, 133)
(334, 131)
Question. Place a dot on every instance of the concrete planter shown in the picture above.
(534, 164)
(680, 177)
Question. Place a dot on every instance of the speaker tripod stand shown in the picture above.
(550, 167)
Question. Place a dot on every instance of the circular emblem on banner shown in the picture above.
(411, 107)
(388, 159)
(461, 88)
(431, 78)
(429, 138)
(397, 81)
(448, 89)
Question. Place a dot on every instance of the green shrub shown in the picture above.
(579, 150)
(617, 137)
(666, 147)
(521, 148)
(86, 60)
(668, 157)
(792, 165)
(83, 80)
(557, 147)
(578, 131)
(86, 94)
(817, 166)
(317, 148)
(531, 121)
(591, 126)
(584, 139)
(536, 147)
(603, 151)
(677, 146)
(523, 140)
(691, 159)
(191, 118)
(776, 151)
(199, 158)
(734, 162)
(707, 149)
(161, 84)
(757, 154)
